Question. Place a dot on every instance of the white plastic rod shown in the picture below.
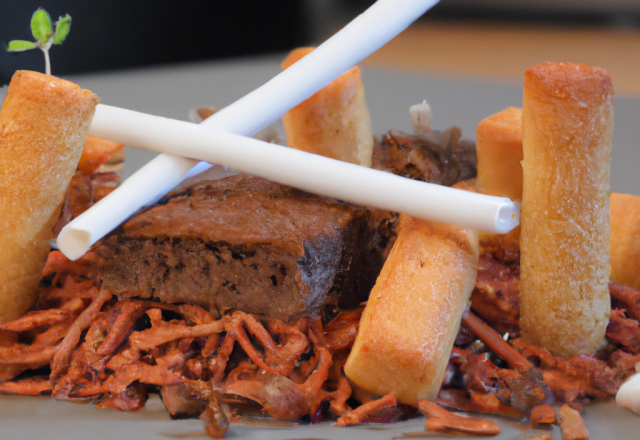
(306, 171)
(364, 35)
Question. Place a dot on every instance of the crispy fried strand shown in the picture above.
(60, 360)
(382, 410)
(441, 420)
(31, 386)
(495, 341)
(35, 319)
(151, 338)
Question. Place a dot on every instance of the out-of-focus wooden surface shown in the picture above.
(504, 51)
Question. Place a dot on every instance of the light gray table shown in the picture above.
(171, 92)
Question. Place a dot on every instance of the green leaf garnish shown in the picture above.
(20, 45)
(42, 30)
(41, 26)
(63, 26)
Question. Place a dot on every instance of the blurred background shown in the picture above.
(491, 38)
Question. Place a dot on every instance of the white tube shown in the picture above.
(306, 171)
(265, 105)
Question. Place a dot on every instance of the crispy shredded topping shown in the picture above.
(115, 352)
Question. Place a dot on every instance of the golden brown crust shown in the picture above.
(334, 122)
(567, 126)
(414, 311)
(43, 126)
(499, 149)
(625, 239)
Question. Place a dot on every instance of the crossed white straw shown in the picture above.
(223, 139)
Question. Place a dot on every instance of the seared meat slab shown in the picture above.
(249, 244)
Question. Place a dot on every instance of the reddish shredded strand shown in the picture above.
(63, 353)
(35, 319)
(494, 341)
(32, 386)
(441, 420)
(382, 410)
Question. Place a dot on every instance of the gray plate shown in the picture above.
(171, 92)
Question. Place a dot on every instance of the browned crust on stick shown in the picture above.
(43, 126)
(413, 314)
(335, 121)
(567, 127)
(625, 239)
(499, 149)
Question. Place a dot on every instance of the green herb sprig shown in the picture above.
(43, 31)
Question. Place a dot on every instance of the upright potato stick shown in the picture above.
(499, 149)
(625, 239)
(334, 122)
(409, 325)
(44, 123)
(567, 120)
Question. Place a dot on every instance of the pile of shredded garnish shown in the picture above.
(83, 344)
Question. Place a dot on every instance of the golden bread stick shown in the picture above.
(625, 239)
(567, 121)
(334, 122)
(44, 123)
(413, 314)
(499, 149)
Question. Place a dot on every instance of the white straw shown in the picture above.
(260, 108)
(310, 172)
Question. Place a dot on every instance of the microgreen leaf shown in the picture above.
(41, 26)
(20, 45)
(42, 30)
(63, 26)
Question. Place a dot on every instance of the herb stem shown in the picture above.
(47, 61)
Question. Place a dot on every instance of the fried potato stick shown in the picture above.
(567, 121)
(413, 314)
(44, 123)
(334, 122)
(499, 149)
(625, 239)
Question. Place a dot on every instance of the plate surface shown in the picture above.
(171, 92)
